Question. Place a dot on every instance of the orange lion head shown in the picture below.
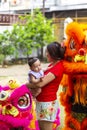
(76, 42)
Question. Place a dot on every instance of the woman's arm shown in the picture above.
(46, 79)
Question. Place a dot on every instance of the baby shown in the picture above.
(36, 73)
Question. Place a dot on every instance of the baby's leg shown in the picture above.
(36, 91)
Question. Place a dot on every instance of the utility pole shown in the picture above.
(32, 9)
(43, 11)
(44, 7)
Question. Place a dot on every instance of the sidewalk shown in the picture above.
(20, 72)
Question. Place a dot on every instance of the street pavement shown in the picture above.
(19, 72)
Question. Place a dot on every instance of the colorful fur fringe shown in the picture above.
(74, 96)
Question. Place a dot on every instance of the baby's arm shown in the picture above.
(34, 80)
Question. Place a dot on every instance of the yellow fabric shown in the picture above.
(12, 111)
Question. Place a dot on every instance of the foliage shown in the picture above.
(6, 46)
(34, 31)
(1, 58)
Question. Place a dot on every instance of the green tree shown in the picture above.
(6, 47)
(31, 32)
(36, 32)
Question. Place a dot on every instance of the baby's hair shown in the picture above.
(31, 61)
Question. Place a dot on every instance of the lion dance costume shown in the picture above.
(17, 108)
(74, 95)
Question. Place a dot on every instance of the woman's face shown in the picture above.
(49, 59)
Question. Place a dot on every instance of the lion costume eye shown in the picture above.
(72, 44)
(3, 95)
(24, 101)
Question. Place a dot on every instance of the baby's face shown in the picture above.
(36, 66)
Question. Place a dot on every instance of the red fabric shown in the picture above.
(49, 91)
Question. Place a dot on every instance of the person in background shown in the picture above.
(46, 102)
(35, 74)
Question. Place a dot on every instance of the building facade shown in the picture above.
(59, 10)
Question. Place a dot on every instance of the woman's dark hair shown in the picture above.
(31, 61)
(56, 51)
